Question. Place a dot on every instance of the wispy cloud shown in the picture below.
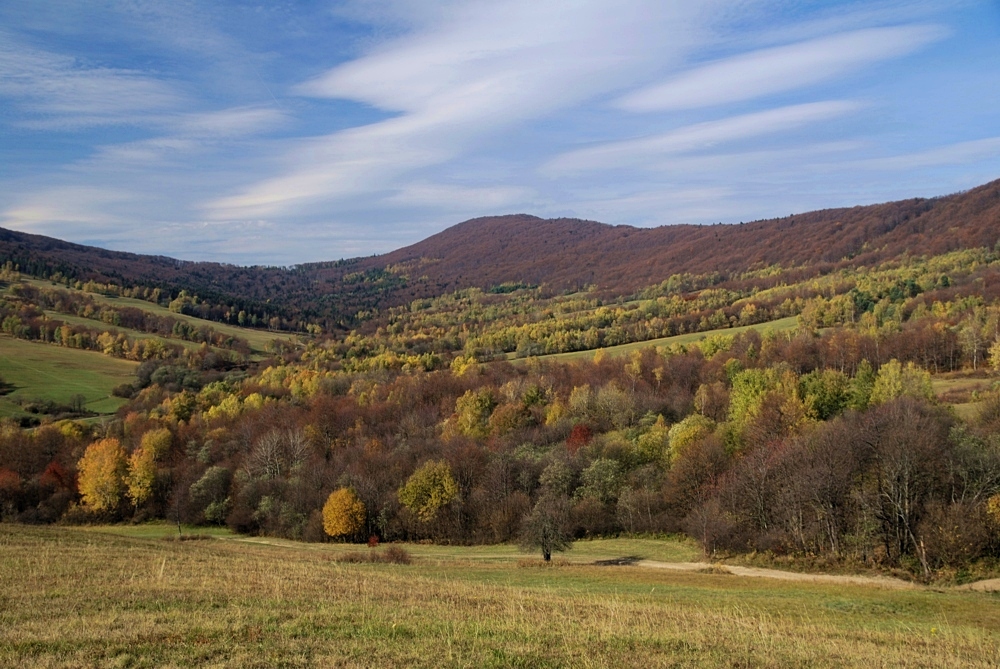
(490, 66)
(309, 131)
(768, 71)
(697, 137)
(59, 92)
(960, 153)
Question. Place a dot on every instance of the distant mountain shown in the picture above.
(568, 252)
(562, 253)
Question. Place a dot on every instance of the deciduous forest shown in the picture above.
(761, 396)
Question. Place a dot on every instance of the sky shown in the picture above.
(278, 133)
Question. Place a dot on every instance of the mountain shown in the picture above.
(566, 252)
(562, 253)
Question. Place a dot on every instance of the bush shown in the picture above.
(389, 555)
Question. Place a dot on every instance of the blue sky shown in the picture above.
(279, 133)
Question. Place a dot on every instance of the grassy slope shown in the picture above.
(75, 598)
(134, 334)
(257, 339)
(789, 323)
(44, 371)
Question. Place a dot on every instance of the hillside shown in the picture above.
(562, 253)
(567, 253)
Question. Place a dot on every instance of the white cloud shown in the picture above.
(60, 92)
(961, 153)
(697, 137)
(73, 205)
(489, 66)
(779, 69)
(459, 197)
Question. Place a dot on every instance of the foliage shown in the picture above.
(101, 475)
(546, 528)
(142, 464)
(343, 513)
(429, 489)
(896, 380)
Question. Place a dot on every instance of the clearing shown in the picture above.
(49, 372)
(92, 598)
(258, 339)
(789, 323)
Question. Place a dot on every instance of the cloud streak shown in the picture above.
(697, 137)
(776, 70)
(492, 66)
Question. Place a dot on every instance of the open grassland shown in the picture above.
(779, 325)
(47, 372)
(258, 339)
(85, 598)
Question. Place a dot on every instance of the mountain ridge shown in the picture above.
(561, 253)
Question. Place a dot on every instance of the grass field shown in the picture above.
(71, 598)
(133, 334)
(257, 339)
(779, 325)
(47, 372)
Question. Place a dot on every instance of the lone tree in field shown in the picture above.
(343, 513)
(547, 526)
(429, 489)
(102, 475)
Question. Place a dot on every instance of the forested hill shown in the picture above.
(563, 253)
(568, 252)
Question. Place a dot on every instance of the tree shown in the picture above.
(429, 489)
(102, 474)
(894, 380)
(546, 527)
(473, 411)
(142, 464)
(343, 513)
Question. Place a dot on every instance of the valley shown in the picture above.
(800, 458)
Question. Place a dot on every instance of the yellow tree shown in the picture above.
(343, 513)
(142, 464)
(101, 474)
(429, 489)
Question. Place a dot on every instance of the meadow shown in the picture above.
(258, 339)
(46, 372)
(75, 597)
(779, 325)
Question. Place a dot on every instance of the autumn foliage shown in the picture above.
(343, 513)
(102, 475)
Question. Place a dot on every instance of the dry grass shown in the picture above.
(70, 598)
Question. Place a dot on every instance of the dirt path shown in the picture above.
(757, 572)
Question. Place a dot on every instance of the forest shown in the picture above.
(852, 437)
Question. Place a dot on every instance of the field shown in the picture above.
(47, 372)
(258, 339)
(71, 597)
(779, 325)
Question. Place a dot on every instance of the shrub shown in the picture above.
(343, 513)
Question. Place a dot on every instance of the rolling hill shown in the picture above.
(565, 254)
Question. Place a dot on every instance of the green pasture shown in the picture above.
(48, 372)
(258, 339)
(133, 334)
(73, 598)
(789, 323)
(667, 549)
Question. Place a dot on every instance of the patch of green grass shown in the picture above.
(82, 598)
(133, 334)
(779, 325)
(48, 372)
(258, 339)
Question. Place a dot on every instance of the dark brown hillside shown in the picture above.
(566, 253)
